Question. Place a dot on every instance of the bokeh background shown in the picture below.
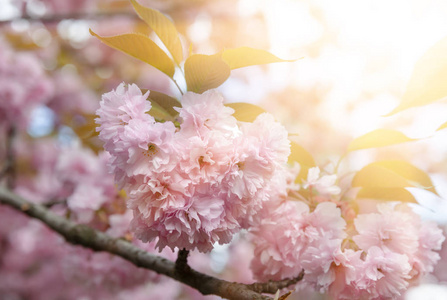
(353, 60)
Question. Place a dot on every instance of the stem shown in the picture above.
(339, 162)
(176, 84)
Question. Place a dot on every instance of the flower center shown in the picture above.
(201, 161)
(241, 165)
(151, 150)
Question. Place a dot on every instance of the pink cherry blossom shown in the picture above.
(205, 113)
(23, 86)
(287, 241)
(117, 108)
(150, 147)
(389, 229)
(323, 185)
(385, 273)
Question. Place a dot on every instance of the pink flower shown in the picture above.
(150, 147)
(199, 223)
(288, 241)
(385, 274)
(425, 258)
(389, 229)
(207, 158)
(324, 185)
(23, 86)
(119, 224)
(72, 95)
(205, 113)
(347, 267)
(117, 108)
(270, 137)
(85, 200)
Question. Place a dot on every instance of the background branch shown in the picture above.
(8, 170)
(84, 235)
(72, 16)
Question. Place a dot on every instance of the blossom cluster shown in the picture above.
(72, 175)
(378, 255)
(23, 86)
(195, 183)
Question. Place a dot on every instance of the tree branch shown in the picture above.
(272, 286)
(8, 169)
(79, 234)
(75, 16)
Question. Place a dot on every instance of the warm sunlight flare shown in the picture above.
(225, 149)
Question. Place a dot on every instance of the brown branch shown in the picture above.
(75, 16)
(8, 169)
(181, 264)
(79, 234)
(54, 202)
(272, 286)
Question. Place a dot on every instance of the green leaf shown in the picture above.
(164, 101)
(204, 72)
(245, 56)
(408, 171)
(378, 176)
(163, 27)
(303, 157)
(142, 48)
(443, 126)
(378, 138)
(428, 81)
(386, 194)
(245, 112)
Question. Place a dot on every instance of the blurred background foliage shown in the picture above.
(353, 62)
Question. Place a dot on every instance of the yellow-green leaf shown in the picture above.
(163, 27)
(245, 112)
(378, 138)
(378, 176)
(303, 157)
(415, 175)
(85, 129)
(386, 194)
(159, 113)
(245, 56)
(428, 83)
(164, 101)
(443, 126)
(204, 72)
(142, 48)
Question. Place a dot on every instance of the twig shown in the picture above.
(181, 264)
(80, 234)
(178, 87)
(75, 16)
